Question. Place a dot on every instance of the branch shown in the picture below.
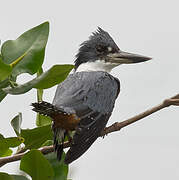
(114, 127)
(44, 150)
(119, 125)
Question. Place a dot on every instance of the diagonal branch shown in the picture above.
(114, 127)
(16, 157)
(119, 125)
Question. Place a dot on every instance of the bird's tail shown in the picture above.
(59, 134)
(43, 108)
(46, 108)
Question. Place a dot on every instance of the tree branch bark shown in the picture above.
(119, 125)
(114, 127)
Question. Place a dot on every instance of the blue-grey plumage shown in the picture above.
(85, 100)
(91, 96)
(95, 90)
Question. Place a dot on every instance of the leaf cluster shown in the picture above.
(26, 55)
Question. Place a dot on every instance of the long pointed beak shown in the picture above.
(126, 58)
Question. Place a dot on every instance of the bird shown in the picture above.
(84, 101)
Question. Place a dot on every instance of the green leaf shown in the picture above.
(19, 177)
(53, 76)
(34, 138)
(1, 136)
(5, 176)
(5, 70)
(47, 143)
(2, 95)
(3, 84)
(26, 53)
(60, 169)
(7, 152)
(6, 143)
(36, 165)
(43, 120)
(4, 150)
(16, 124)
(11, 141)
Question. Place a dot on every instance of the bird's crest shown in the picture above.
(88, 49)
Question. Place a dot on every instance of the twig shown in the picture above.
(114, 127)
(16, 157)
(119, 125)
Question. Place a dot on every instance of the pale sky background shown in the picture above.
(146, 150)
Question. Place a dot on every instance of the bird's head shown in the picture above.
(100, 53)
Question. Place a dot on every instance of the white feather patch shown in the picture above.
(99, 65)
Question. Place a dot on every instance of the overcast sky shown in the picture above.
(146, 150)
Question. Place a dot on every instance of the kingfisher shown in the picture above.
(84, 101)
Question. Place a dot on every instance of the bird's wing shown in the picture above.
(92, 98)
(86, 134)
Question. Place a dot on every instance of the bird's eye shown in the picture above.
(101, 49)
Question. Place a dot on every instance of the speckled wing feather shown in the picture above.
(85, 136)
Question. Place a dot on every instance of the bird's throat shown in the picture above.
(98, 65)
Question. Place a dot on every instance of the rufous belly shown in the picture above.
(65, 121)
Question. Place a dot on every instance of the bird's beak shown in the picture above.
(122, 57)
